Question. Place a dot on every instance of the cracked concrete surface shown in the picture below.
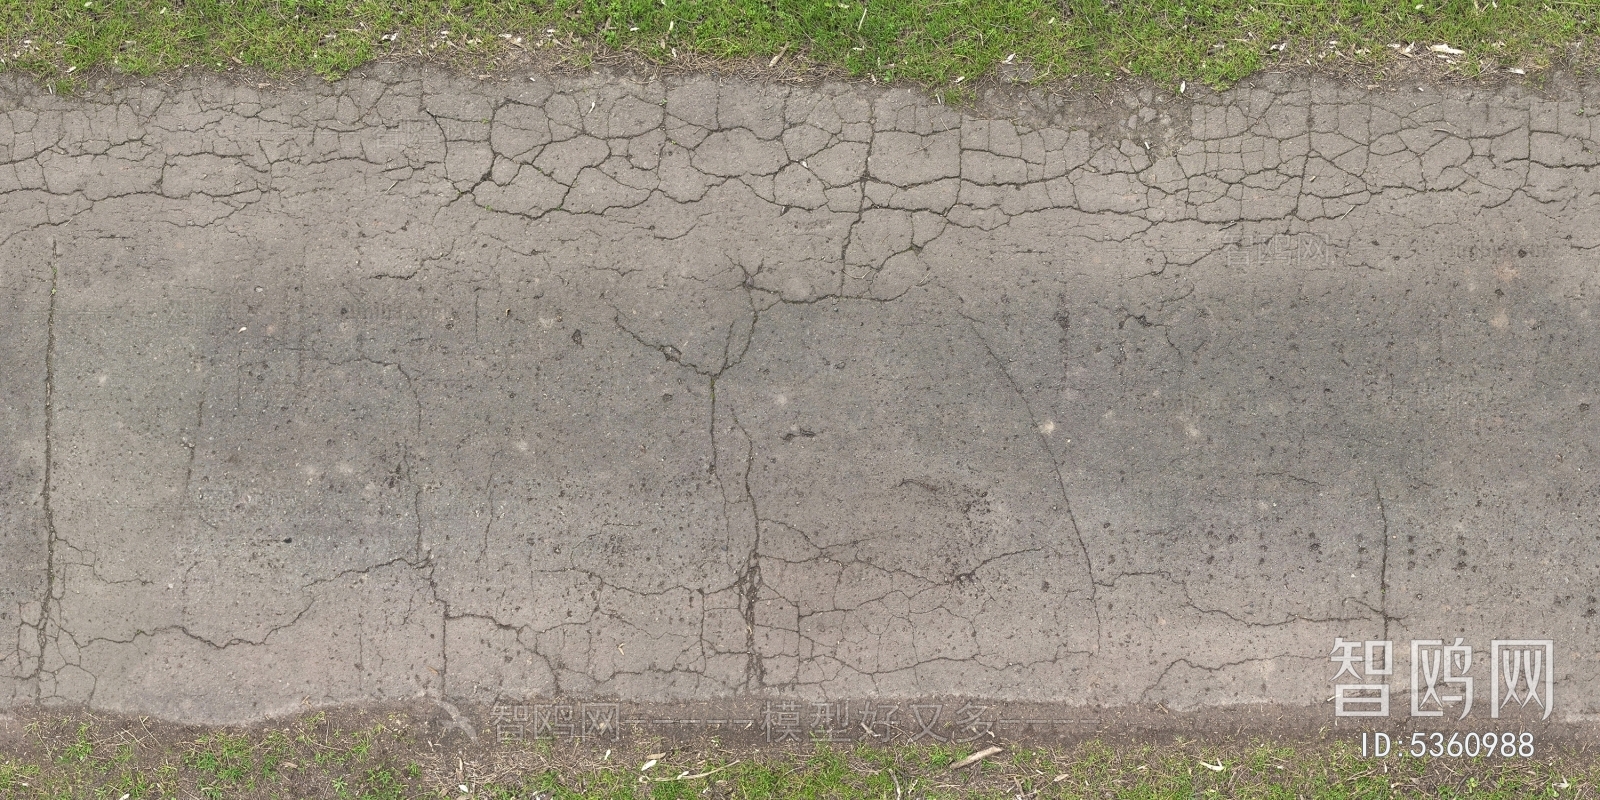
(686, 390)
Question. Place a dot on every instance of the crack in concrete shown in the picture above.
(1383, 564)
(48, 598)
(1061, 484)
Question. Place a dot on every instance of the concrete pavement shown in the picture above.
(560, 390)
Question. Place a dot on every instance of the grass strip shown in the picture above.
(939, 43)
(390, 756)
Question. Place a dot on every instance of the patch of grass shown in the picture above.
(378, 757)
(940, 43)
(79, 750)
(15, 777)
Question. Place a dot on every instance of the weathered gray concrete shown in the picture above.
(658, 391)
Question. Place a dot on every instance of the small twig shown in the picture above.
(778, 57)
(976, 757)
(863, 19)
(687, 777)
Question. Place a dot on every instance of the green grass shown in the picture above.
(938, 43)
(390, 758)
